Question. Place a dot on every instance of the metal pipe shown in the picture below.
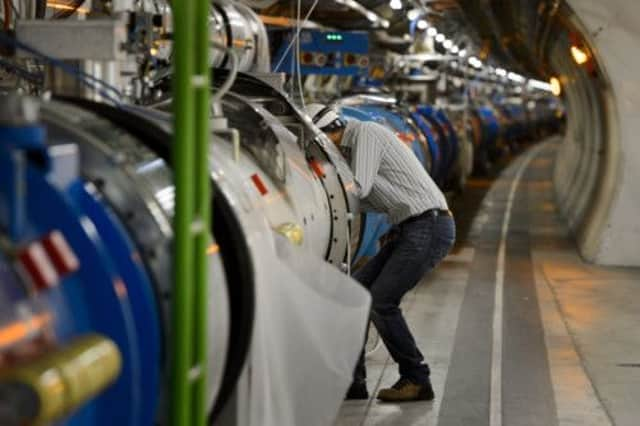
(184, 158)
(203, 206)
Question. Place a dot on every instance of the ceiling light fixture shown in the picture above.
(447, 44)
(422, 25)
(440, 38)
(395, 4)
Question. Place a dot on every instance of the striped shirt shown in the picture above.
(391, 179)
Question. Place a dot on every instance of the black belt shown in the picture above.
(438, 213)
(430, 213)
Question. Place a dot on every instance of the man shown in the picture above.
(393, 181)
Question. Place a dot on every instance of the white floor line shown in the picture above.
(495, 413)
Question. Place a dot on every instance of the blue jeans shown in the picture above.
(421, 243)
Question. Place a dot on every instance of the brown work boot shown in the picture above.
(405, 390)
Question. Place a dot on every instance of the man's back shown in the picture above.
(392, 179)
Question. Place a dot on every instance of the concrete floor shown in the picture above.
(566, 346)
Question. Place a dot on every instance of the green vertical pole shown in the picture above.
(184, 157)
(203, 206)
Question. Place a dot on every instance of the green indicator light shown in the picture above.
(333, 37)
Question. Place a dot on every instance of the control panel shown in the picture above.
(326, 53)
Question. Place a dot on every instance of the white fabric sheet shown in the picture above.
(309, 330)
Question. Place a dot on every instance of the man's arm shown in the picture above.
(367, 155)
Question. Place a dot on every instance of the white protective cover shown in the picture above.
(309, 330)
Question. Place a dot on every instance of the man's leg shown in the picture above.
(366, 276)
(423, 243)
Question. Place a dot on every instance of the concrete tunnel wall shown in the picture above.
(597, 173)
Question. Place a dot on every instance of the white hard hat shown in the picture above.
(324, 116)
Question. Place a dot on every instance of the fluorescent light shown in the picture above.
(440, 38)
(395, 4)
(540, 85)
(432, 31)
(475, 62)
(447, 44)
(501, 72)
(413, 14)
(579, 55)
(462, 53)
(422, 25)
(517, 78)
(455, 49)
(372, 16)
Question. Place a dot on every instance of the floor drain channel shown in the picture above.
(630, 365)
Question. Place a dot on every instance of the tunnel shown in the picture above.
(319, 213)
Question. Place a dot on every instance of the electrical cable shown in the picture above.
(231, 78)
(228, 83)
(292, 70)
(85, 78)
(21, 71)
(298, 68)
(378, 340)
(286, 51)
